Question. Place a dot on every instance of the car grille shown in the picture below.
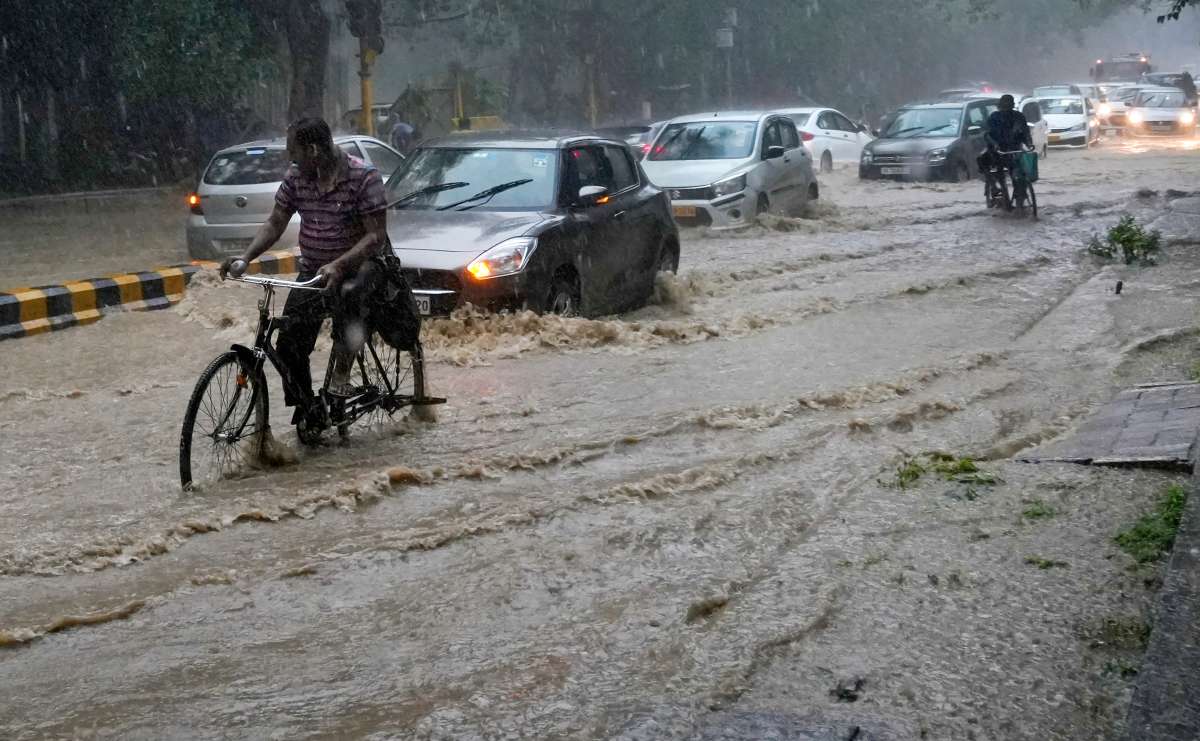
(1065, 131)
(1166, 127)
(892, 159)
(690, 194)
(438, 280)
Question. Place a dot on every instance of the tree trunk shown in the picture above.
(308, 43)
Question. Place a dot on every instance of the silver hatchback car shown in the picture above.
(237, 193)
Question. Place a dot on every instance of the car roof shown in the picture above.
(515, 139)
(809, 110)
(724, 116)
(937, 104)
(280, 142)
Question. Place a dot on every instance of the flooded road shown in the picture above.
(646, 526)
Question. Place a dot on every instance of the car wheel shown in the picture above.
(826, 162)
(962, 173)
(668, 258)
(762, 205)
(563, 298)
(814, 192)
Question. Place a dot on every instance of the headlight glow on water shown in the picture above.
(1187, 118)
(1135, 117)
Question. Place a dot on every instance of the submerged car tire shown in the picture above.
(961, 173)
(563, 297)
(761, 206)
(826, 162)
(668, 258)
(814, 192)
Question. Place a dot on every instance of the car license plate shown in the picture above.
(894, 170)
(424, 304)
(686, 212)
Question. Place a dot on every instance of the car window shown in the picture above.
(914, 122)
(791, 139)
(479, 169)
(976, 116)
(1032, 112)
(1062, 106)
(587, 166)
(843, 123)
(825, 122)
(800, 119)
(619, 164)
(1160, 99)
(351, 149)
(248, 167)
(385, 159)
(772, 137)
(705, 140)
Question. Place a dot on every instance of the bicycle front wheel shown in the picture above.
(225, 423)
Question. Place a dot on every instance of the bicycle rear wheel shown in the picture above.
(392, 379)
(224, 424)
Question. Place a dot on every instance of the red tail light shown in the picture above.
(193, 201)
(806, 136)
(645, 149)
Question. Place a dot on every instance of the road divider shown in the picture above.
(29, 311)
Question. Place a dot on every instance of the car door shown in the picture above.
(849, 148)
(828, 137)
(1037, 124)
(772, 173)
(593, 233)
(634, 227)
(798, 165)
(386, 159)
(974, 133)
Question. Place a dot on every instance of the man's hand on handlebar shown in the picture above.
(331, 276)
(233, 267)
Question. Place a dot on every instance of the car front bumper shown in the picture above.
(447, 290)
(1068, 139)
(1161, 128)
(727, 212)
(217, 241)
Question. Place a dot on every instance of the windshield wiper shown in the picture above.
(427, 190)
(486, 195)
(692, 144)
(892, 134)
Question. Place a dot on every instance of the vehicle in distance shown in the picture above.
(930, 141)
(1161, 111)
(548, 221)
(1072, 120)
(828, 135)
(722, 170)
(637, 136)
(236, 193)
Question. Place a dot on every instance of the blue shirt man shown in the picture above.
(1007, 128)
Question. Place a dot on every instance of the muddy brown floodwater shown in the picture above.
(655, 525)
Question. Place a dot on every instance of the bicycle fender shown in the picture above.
(245, 356)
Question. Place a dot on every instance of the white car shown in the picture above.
(1162, 111)
(828, 135)
(724, 169)
(237, 193)
(1072, 120)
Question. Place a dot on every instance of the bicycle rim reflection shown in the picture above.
(218, 450)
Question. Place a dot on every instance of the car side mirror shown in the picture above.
(593, 195)
(876, 133)
(774, 152)
(862, 129)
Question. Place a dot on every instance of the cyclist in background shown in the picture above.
(1007, 131)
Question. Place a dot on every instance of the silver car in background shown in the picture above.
(237, 193)
(722, 170)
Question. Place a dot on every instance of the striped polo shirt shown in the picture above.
(331, 222)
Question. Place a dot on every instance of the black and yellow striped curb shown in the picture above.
(29, 311)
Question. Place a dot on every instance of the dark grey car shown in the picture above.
(930, 141)
(544, 221)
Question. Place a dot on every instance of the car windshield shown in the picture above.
(1161, 99)
(1061, 106)
(480, 169)
(1051, 90)
(924, 121)
(705, 140)
(248, 167)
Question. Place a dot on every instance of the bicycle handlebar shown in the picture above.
(316, 283)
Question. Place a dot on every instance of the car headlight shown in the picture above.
(1187, 118)
(1135, 117)
(729, 187)
(509, 257)
(937, 155)
(1104, 110)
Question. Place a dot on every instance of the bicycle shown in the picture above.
(1007, 167)
(229, 407)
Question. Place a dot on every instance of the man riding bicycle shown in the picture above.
(343, 222)
(1007, 130)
